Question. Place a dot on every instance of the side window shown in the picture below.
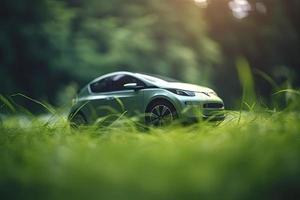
(103, 85)
(119, 81)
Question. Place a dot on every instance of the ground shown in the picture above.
(251, 155)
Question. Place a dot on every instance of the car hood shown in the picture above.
(185, 86)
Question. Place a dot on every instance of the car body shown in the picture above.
(157, 99)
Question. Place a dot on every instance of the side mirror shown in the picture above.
(132, 86)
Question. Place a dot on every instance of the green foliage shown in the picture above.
(143, 36)
(255, 159)
(269, 40)
(28, 48)
(51, 44)
(247, 82)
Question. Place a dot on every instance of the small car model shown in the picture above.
(159, 100)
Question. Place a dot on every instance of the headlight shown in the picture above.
(213, 93)
(182, 92)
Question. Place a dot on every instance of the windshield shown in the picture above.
(158, 78)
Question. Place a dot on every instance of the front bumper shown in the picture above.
(198, 115)
(196, 110)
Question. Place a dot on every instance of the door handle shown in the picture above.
(109, 98)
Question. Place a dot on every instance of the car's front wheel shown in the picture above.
(78, 120)
(160, 113)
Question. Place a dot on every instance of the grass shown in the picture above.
(251, 155)
(255, 156)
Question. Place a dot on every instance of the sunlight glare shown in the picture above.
(201, 3)
(240, 8)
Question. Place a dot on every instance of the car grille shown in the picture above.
(213, 105)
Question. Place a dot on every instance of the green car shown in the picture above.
(156, 100)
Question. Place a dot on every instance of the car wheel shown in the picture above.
(78, 120)
(160, 113)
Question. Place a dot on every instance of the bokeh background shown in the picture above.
(51, 48)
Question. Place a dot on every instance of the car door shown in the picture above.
(99, 100)
(124, 100)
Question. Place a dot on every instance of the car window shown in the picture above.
(118, 81)
(104, 85)
(157, 78)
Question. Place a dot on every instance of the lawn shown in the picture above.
(252, 156)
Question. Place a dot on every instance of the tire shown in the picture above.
(160, 113)
(78, 120)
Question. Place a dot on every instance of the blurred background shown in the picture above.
(51, 48)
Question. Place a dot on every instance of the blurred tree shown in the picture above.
(27, 49)
(265, 32)
(48, 44)
(166, 37)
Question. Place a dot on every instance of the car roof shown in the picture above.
(150, 80)
(112, 74)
